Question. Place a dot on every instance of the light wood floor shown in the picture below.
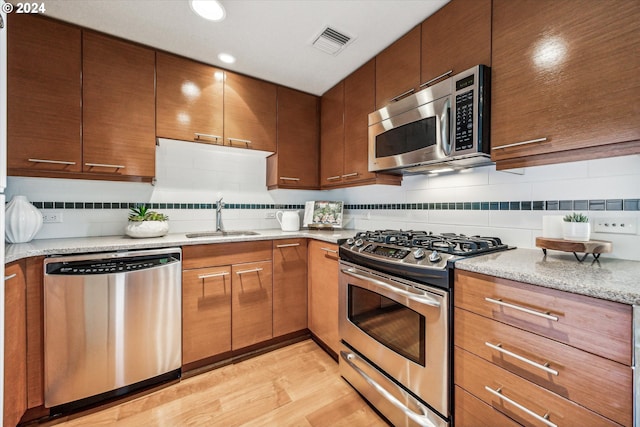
(298, 385)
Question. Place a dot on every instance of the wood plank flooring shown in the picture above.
(298, 385)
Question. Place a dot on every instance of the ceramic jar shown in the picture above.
(143, 229)
(22, 220)
(577, 231)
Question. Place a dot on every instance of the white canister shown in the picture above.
(552, 226)
(289, 221)
(22, 220)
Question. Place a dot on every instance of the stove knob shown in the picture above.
(418, 253)
(350, 241)
(359, 242)
(435, 256)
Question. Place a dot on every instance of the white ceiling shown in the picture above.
(271, 39)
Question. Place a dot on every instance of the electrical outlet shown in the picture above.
(270, 215)
(52, 216)
(615, 225)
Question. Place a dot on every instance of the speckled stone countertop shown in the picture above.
(610, 279)
(14, 252)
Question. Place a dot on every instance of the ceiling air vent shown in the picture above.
(331, 41)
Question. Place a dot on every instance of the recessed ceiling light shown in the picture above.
(225, 57)
(208, 9)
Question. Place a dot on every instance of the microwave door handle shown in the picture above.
(445, 127)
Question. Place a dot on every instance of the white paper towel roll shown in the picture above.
(552, 226)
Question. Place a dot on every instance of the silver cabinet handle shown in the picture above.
(289, 245)
(206, 135)
(286, 178)
(421, 298)
(515, 144)
(435, 79)
(543, 419)
(9, 277)
(243, 141)
(402, 95)
(208, 276)
(546, 315)
(329, 250)
(55, 162)
(545, 367)
(350, 175)
(253, 270)
(331, 178)
(420, 419)
(104, 165)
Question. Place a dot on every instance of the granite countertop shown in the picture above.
(17, 251)
(610, 279)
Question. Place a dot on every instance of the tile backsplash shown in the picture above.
(190, 177)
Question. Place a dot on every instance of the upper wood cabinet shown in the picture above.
(564, 81)
(189, 100)
(332, 136)
(118, 110)
(398, 69)
(43, 95)
(296, 164)
(455, 38)
(249, 113)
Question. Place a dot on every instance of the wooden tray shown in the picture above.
(594, 247)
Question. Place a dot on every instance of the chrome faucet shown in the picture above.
(219, 206)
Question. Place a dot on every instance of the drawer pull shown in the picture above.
(208, 276)
(331, 178)
(402, 95)
(253, 270)
(9, 277)
(290, 245)
(543, 419)
(349, 175)
(498, 301)
(435, 79)
(104, 165)
(331, 251)
(55, 162)
(516, 144)
(286, 178)
(545, 367)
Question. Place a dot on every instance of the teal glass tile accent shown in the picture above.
(614, 205)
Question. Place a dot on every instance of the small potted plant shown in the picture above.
(146, 223)
(576, 226)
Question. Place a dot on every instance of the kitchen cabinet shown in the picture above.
(554, 352)
(455, 38)
(323, 293)
(43, 79)
(189, 100)
(564, 84)
(344, 145)
(289, 286)
(398, 69)
(252, 303)
(295, 164)
(15, 344)
(249, 112)
(118, 107)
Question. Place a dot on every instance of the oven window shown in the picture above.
(388, 322)
(407, 138)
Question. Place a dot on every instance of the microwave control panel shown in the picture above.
(464, 121)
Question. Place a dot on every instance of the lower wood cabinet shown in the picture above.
(289, 286)
(252, 304)
(323, 293)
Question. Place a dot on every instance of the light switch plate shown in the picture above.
(623, 225)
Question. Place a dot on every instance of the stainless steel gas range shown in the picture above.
(395, 309)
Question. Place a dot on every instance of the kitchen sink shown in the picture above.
(221, 234)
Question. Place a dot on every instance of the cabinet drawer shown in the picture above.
(591, 324)
(592, 381)
(198, 256)
(473, 412)
(515, 396)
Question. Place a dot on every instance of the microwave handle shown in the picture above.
(445, 127)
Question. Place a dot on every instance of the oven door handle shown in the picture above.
(421, 419)
(420, 298)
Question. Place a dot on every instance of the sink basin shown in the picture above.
(221, 234)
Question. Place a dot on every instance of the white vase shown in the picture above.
(578, 231)
(142, 229)
(22, 220)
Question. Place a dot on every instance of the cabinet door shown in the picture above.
(398, 69)
(118, 110)
(189, 100)
(43, 81)
(297, 159)
(332, 136)
(359, 101)
(289, 286)
(206, 313)
(323, 293)
(252, 303)
(15, 342)
(564, 78)
(249, 113)
(455, 38)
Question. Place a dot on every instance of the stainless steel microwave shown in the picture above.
(445, 126)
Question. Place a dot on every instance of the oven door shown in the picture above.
(401, 328)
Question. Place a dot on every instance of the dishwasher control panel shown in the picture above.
(124, 265)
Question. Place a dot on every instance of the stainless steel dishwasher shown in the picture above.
(112, 324)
